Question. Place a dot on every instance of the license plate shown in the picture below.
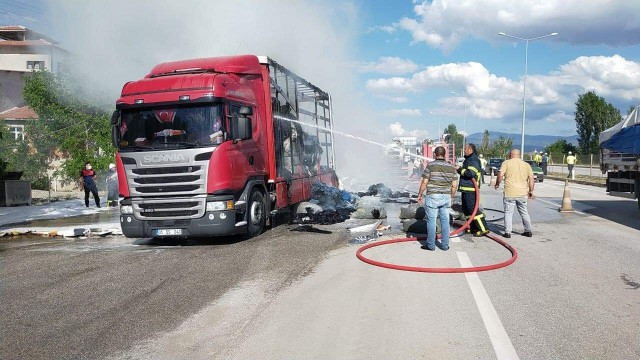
(168, 232)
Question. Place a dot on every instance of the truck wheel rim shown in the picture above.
(256, 213)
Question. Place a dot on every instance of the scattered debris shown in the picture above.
(328, 205)
(360, 240)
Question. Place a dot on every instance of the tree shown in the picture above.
(559, 148)
(454, 137)
(593, 115)
(73, 122)
(501, 147)
(484, 145)
(631, 107)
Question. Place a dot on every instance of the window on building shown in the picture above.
(35, 65)
(17, 131)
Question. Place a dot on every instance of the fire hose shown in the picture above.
(467, 224)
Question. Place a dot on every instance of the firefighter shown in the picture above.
(469, 170)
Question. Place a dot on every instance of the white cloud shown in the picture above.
(395, 99)
(389, 29)
(442, 24)
(404, 113)
(396, 129)
(488, 96)
(389, 65)
(559, 117)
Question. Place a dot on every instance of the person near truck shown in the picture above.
(112, 186)
(544, 163)
(439, 179)
(537, 158)
(518, 187)
(483, 164)
(571, 161)
(469, 171)
(88, 184)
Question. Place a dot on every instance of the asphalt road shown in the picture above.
(91, 298)
(573, 293)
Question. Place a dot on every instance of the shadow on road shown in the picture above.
(623, 212)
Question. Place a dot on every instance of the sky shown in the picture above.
(392, 67)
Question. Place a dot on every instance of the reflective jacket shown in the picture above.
(470, 169)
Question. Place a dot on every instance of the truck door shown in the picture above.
(246, 158)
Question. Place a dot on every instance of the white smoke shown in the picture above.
(121, 40)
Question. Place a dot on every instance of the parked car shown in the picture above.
(537, 170)
(493, 165)
(459, 161)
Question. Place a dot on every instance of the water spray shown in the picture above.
(348, 135)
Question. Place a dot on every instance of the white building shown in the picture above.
(21, 52)
(25, 50)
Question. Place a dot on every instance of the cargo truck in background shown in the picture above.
(620, 157)
(205, 146)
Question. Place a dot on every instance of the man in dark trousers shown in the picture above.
(88, 183)
(469, 170)
(544, 163)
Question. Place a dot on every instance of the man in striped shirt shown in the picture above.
(440, 179)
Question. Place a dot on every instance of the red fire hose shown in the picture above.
(514, 253)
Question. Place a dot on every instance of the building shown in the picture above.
(15, 119)
(22, 51)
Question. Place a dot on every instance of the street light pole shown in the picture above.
(524, 85)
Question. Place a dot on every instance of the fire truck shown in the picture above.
(214, 146)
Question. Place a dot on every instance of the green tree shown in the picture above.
(485, 144)
(73, 122)
(631, 107)
(559, 148)
(501, 147)
(593, 115)
(18, 155)
(454, 137)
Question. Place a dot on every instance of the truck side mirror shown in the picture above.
(114, 136)
(115, 117)
(115, 121)
(244, 128)
(245, 110)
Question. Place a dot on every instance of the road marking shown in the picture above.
(558, 205)
(499, 339)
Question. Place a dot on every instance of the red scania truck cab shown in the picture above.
(213, 146)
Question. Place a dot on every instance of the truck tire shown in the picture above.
(257, 213)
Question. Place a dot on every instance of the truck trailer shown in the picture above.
(214, 146)
(620, 157)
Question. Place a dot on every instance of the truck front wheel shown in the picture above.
(257, 213)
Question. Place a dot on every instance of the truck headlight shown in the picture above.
(220, 205)
(126, 209)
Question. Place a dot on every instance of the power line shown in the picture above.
(17, 16)
(23, 5)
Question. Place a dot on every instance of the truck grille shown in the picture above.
(169, 180)
(168, 191)
(169, 209)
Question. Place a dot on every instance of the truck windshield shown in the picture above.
(172, 127)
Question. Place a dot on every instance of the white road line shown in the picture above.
(499, 339)
(558, 205)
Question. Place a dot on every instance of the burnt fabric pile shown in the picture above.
(332, 205)
(383, 191)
